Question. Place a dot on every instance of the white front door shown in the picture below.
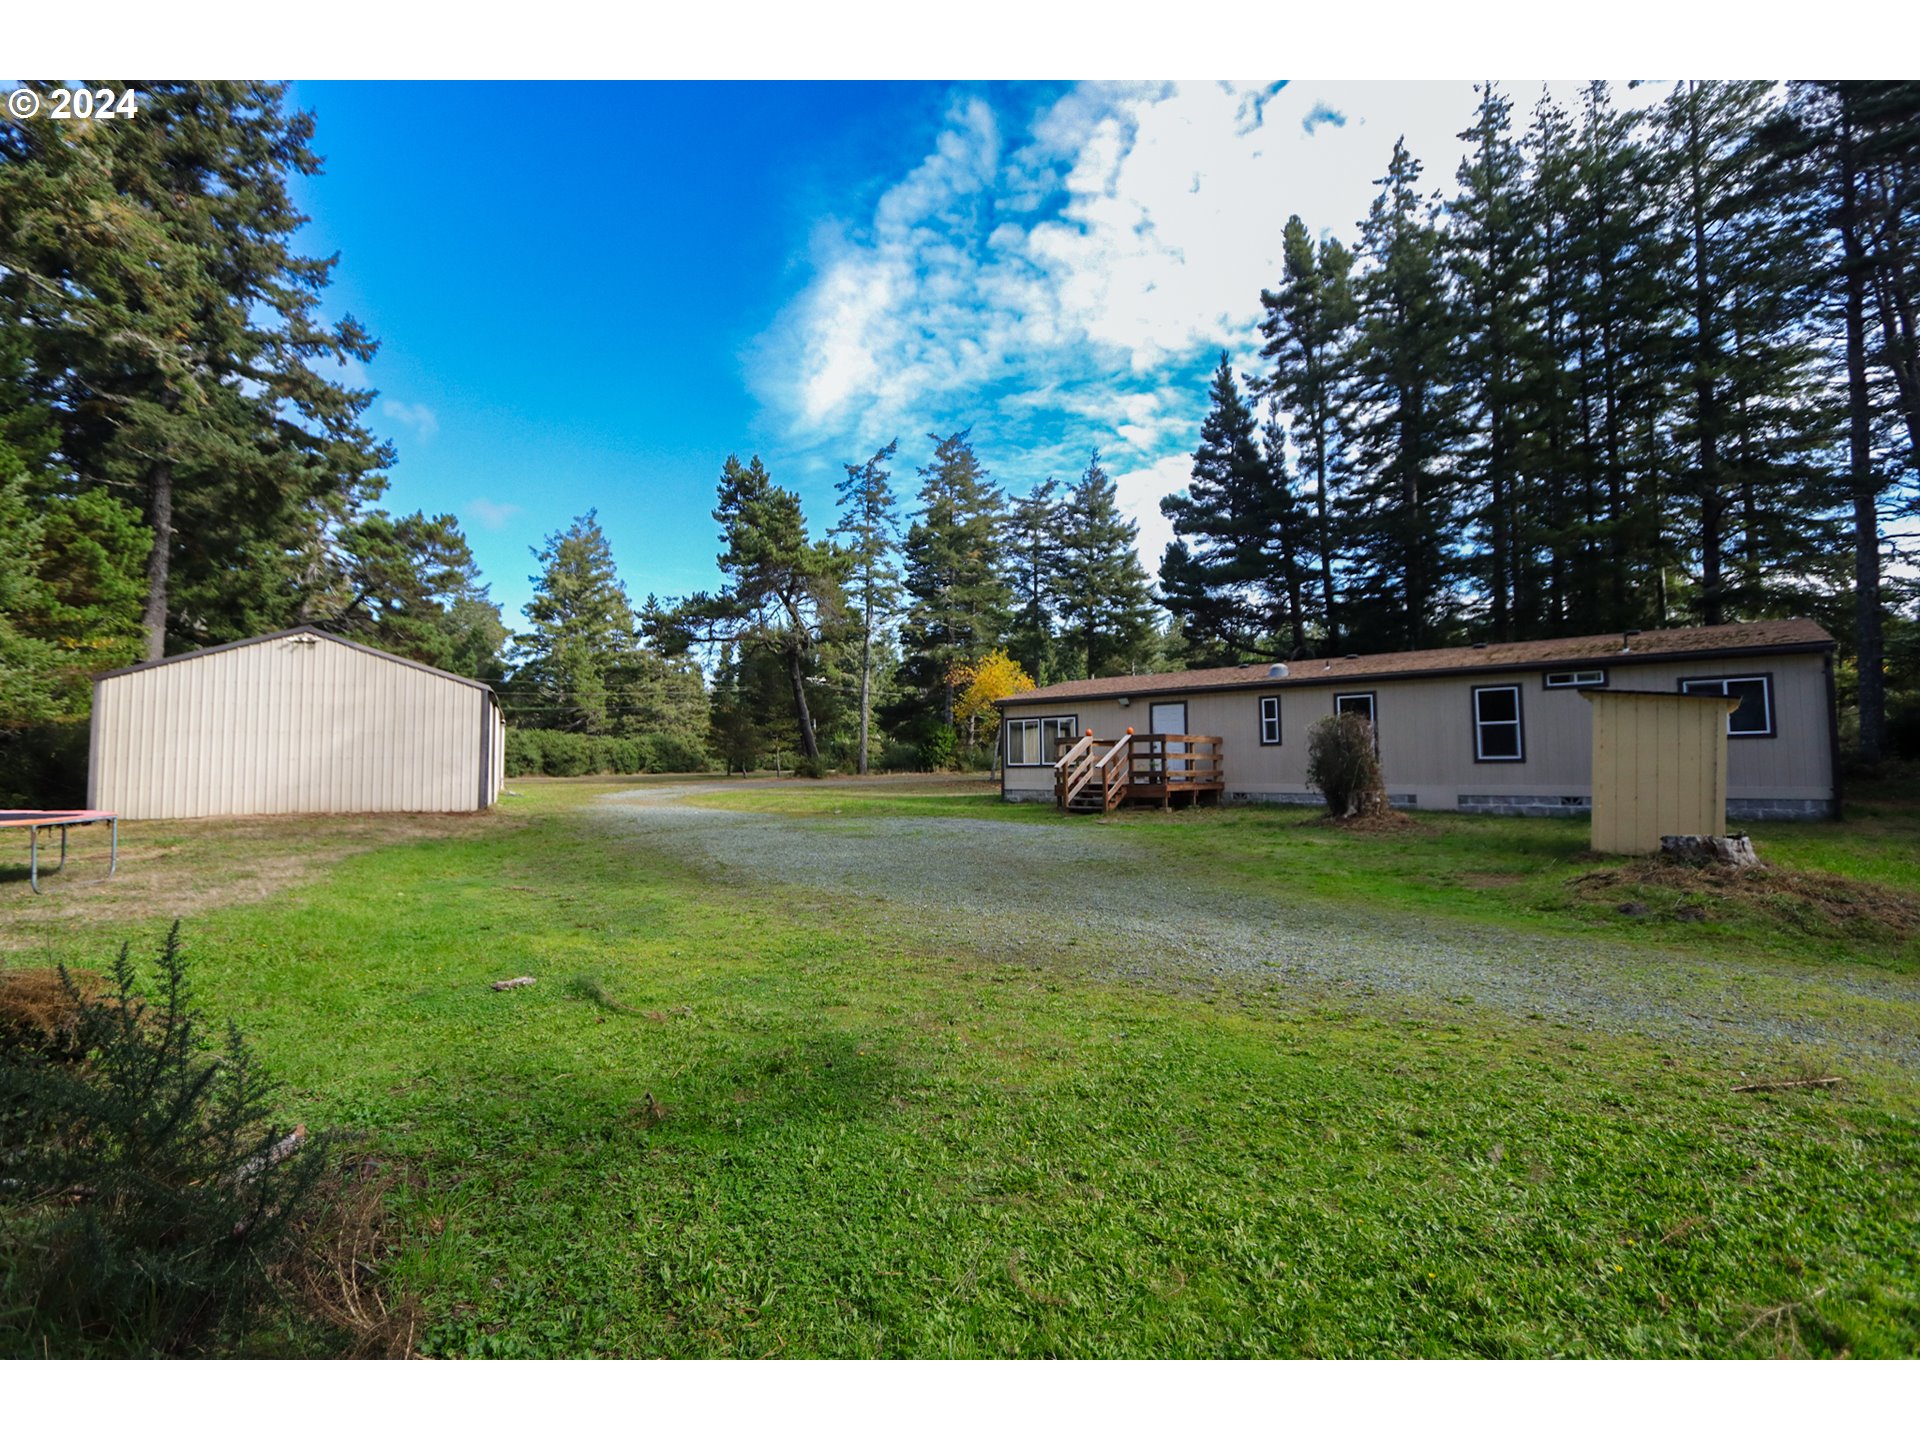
(1168, 717)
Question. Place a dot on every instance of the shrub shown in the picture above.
(564, 752)
(526, 754)
(898, 755)
(1343, 766)
(806, 769)
(673, 756)
(938, 750)
(43, 766)
(146, 1185)
(1903, 725)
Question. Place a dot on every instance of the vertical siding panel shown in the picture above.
(292, 726)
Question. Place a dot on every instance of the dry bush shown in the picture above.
(42, 1013)
(334, 1274)
(1343, 765)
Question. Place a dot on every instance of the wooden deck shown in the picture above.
(1098, 776)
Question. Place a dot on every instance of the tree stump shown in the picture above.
(1734, 850)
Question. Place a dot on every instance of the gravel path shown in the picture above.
(1012, 888)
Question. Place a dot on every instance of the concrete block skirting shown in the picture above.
(1779, 809)
(1302, 797)
(1562, 805)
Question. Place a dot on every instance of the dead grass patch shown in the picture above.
(1810, 902)
(42, 1012)
(171, 868)
(334, 1275)
(1387, 822)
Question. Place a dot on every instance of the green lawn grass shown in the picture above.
(860, 1145)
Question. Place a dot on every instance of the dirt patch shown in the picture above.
(1388, 822)
(1488, 880)
(1808, 901)
(170, 868)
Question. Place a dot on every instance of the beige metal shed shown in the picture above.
(1659, 768)
(296, 722)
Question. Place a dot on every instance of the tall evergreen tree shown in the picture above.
(1308, 327)
(1106, 609)
(1492, 263)
(1215, 574)
(1032, 547)
(178, 343)
(955, 578)
(1747, 360)
(871, 525)
(1401, 506)
(784, 597)
(580, 637)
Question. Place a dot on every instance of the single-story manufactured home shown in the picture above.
(294, 723)
(1494, 728)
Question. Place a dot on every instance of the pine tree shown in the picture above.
(1746, 362)
(1308, 326)
(1400, 507)
(1106, 609)
(957, 609)
(581, 634)
(1032, 547)
(872, 527)
(784, 598)
(177, 341)
(1854, 148)
(1492, 264)
(1215, 574)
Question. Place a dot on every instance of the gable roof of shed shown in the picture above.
(313, 630)
(1614, 648)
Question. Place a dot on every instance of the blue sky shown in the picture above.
(588, 295)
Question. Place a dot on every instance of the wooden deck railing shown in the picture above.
(1136, 767)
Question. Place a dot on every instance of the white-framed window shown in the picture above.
(1575, 679)
(1269, 719)
(1497, 731)
(1040, 741)
(1360, 703)
(1754, 719)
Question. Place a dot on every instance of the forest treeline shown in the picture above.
(1627, 367)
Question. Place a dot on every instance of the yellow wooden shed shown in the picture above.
(1659, 767)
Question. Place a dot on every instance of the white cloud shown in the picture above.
(1077, 279)
(491, 514)
(418, 418)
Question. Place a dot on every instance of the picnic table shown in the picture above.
(34, 821)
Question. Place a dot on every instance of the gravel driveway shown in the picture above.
(1011, 888)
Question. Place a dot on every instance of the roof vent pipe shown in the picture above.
(1626, 641)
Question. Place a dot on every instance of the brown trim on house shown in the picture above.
(1519, 721)
(1292, 682)
(1772, 732)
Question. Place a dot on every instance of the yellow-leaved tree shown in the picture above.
(978, 683)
